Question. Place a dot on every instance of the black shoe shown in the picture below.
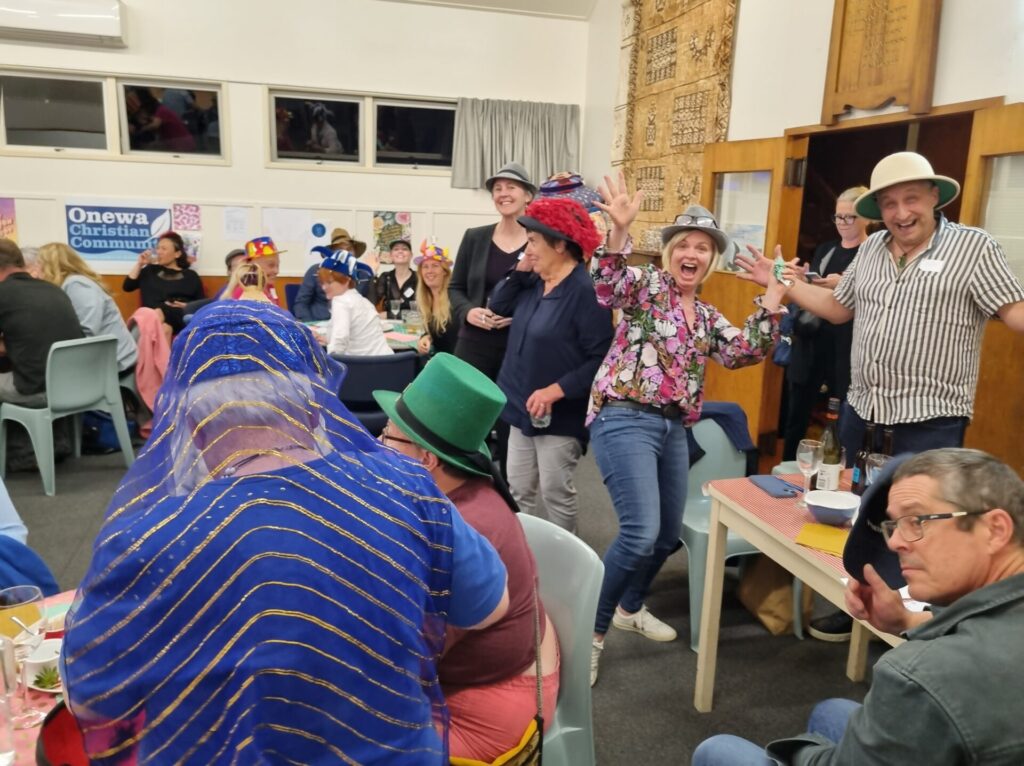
(835, 627)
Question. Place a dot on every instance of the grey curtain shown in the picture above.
(544, 138)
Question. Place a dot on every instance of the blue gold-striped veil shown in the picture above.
(270, 583)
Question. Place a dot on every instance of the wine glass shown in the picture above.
(395, 309)
(23, 603)
(808, 460)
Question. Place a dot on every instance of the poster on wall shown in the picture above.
(389, 226)
(115, 231)
(8, 222)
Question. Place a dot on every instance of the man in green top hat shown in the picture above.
(442, 420)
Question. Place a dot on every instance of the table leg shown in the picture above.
(711, 612)
(857, 659)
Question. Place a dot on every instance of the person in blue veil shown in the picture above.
(270, 583)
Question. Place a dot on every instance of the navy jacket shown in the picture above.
(559, 338)
(311, 305)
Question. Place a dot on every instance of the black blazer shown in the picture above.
(467, 289)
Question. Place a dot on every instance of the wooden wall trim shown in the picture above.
(128, 302)
(898, 117)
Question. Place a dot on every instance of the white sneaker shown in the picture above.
(596, 647)
(644, 623)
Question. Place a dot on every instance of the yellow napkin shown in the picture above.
(823, 537)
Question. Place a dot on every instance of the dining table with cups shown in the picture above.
(31, 632)
(778, 527)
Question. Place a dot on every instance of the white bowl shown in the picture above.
(831, 507)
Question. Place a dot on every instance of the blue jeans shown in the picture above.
(906, 437)
(643, 460)
(828, 719)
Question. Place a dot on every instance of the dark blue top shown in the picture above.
(311, 305)
(559, 338)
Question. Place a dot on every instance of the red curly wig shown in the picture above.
(565, 219)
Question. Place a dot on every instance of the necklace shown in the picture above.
(232, 469)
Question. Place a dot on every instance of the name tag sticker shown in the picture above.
(930, 264)
(408, 292)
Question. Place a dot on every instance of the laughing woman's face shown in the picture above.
(690, 260)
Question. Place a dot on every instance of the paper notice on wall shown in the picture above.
(286, 224)
(236, 225)
(317, 236)
(8, 220)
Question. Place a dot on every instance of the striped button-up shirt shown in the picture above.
(917, 332)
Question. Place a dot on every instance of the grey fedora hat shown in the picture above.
(513, 171)
(697, 218)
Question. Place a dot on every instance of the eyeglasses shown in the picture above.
(912, 527)
(386, 437)
(848, 218)
(695, 220)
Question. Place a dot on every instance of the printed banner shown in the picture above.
(113, 231)
(8, 222)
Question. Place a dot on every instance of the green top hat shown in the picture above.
(448, 409)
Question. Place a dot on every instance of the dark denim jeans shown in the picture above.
(828, 719)
(644, 461)
(907, 437)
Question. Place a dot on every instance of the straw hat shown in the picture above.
(901, 168)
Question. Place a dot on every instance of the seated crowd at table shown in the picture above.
(272, 581)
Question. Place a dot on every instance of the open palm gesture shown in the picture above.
(617, 203)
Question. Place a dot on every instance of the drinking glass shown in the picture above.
(394, 309)
(24, 602)
(808, 460)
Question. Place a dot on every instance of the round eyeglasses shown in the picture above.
(912, 527)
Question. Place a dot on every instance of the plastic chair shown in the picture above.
(81, 375)
(790, 466)
(570, 575)
(721, 461)
(366, 374)
(291, 292)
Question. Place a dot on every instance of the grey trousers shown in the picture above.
(540, 475)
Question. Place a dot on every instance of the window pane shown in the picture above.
(1004, 201)
(39, 111)
(320, 129)
(413, 135)
(741, 209)
(172, 120)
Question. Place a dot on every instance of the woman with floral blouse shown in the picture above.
(650, 387)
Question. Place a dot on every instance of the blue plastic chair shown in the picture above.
(721, 461)
(570, 575)
(366, 374)
(81, 375)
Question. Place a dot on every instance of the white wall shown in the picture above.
(781, 57)
(602, 67)
(366, 45)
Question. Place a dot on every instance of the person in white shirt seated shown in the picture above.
(354, 328)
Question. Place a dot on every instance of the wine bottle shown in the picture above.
(828, 474)
(860, 465)
(888, 434)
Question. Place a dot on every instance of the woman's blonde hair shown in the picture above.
(851, 194)
(436, 314)
(666, 252)
(250, 277)
(58, 261)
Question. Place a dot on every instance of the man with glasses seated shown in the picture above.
(950, 524)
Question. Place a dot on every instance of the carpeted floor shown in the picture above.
(643, 703)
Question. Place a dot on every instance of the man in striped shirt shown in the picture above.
(922, 291)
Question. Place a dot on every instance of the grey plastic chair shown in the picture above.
(570, 575)
(721, 461)
(81, 375)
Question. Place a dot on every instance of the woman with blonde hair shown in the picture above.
(58, 264)
(441, 332)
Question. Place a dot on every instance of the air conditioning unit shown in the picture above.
(66, 22)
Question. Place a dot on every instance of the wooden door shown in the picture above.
(997, 137)
(756, 389)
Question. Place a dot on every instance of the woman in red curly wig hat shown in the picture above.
(558, 338)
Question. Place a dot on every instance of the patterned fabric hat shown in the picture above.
(343, 262)
(569, 184)
(433, 252)
(261, 247)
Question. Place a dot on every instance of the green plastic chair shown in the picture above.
(721, 461)
(81, 375)
(570, 575)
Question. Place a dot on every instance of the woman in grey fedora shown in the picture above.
(650, 387)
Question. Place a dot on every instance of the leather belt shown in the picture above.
(668, 411)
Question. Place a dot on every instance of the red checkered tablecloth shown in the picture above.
(782, 514)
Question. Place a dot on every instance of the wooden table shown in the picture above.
(771, 525)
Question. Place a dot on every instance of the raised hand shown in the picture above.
(620, 207)
(755, 266)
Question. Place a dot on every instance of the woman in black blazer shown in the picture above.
(484, 258)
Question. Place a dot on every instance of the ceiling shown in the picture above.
(565, 9)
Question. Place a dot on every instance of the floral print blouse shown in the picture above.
(655, 358)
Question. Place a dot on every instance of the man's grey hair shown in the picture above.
(971, 480)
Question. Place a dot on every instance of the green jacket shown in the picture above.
(952, 694)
